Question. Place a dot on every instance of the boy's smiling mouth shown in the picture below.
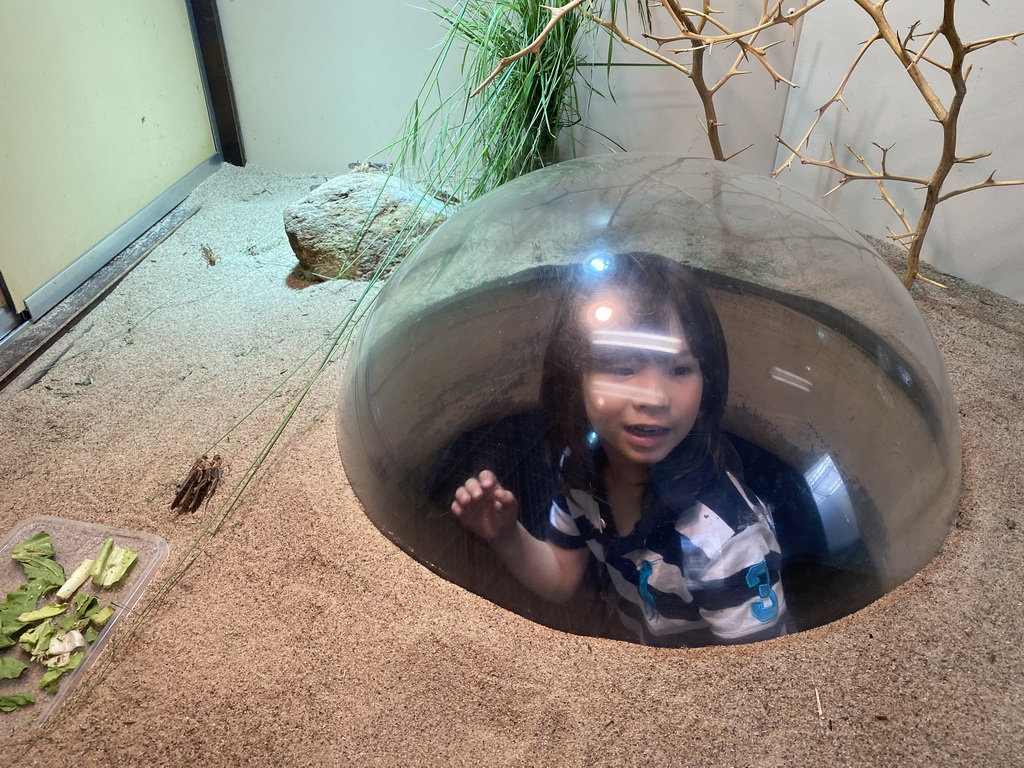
(646, 430)
(645, 436)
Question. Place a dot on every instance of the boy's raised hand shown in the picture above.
(485, 508)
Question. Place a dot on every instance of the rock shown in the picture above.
(329, 230)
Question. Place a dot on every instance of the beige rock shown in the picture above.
(347, 226)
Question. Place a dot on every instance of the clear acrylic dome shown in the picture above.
(839, 404)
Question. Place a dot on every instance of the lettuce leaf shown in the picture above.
(46, 612)
(85, 604)
(35, 641)
(100, 618)
(11, 668)
(111, 564)
(43, 569)
(49, 682)
(20, 600)
(36, 558)
(13, 701)
(39, 545)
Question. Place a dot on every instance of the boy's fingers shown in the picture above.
(472, 488)
(504, 496)
(476, 491)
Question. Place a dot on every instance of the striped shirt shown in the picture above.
(701, 565)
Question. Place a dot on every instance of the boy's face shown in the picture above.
(642, 390)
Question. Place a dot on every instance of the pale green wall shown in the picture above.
(102, 110)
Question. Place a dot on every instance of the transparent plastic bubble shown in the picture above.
(839, 406)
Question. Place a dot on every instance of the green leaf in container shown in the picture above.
(101, 617)
(49, 681)
(13, 701)
(46, 612)
(111, 564)
(44, 569)
(39, 545)
(35, 641)
(85, 605)
(11, 668)
(19, 601)
(36, 558)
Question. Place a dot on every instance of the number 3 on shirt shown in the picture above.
(768, 607)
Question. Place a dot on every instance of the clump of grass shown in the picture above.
(468, 144)
(538, 97)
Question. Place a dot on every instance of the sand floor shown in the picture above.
(296, 634)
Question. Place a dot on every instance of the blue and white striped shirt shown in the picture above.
(701, 565)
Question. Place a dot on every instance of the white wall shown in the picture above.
(975, 236)
(322, 83)
(657, 109)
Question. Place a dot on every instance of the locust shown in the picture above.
(208, 253)
(200, 485)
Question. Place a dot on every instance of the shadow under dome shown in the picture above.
(839, 401)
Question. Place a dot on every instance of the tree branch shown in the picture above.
(986, 184)
(535, 46)
(850, 174)
(977, 45)
(612, 27)
(767, 22)
(836, 97)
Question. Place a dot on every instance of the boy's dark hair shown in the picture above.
(656, 287)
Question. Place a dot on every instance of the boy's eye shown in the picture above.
(615, 370)
(615, 365)
(682, 370)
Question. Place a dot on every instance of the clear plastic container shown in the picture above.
(73, 542)
(839, 403)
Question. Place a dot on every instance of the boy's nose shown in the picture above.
(649, 389)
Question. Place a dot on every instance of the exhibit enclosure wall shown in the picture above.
(321, 84)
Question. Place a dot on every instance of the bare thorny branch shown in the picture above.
(691, 25)
(557, 14)
(693, 29)
(947, 115)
